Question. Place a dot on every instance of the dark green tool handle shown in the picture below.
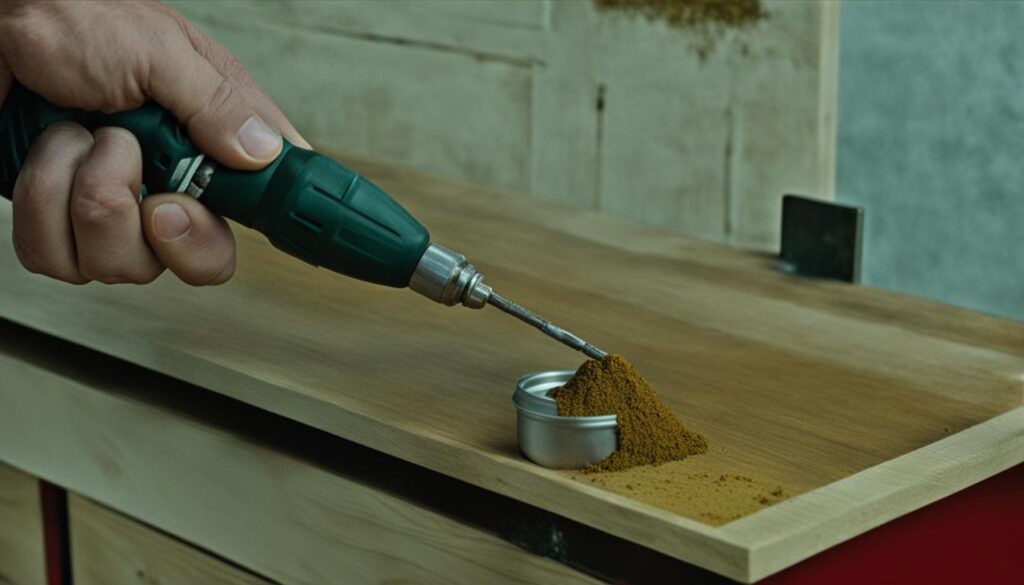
(308, 205)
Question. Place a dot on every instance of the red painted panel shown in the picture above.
(54, 502)
(975, 536)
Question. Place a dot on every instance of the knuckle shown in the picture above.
(96, 204)
(61, 143)
(35, 191)
(115, 134)
(68, 131)
(200, 42)
(118, 142)
(220, 100)
(230, 67)
(42, 180)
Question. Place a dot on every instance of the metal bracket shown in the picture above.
(821, 238)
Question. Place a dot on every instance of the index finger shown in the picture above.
(225, 63)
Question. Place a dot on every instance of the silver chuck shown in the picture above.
(446, 277)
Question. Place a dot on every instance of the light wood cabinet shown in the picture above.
(200, 474)
(22, 557)
(861, 404)
(108, 548)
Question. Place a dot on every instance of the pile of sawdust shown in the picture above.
(649, 433)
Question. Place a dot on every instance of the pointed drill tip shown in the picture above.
(594, 353)
(547, 327)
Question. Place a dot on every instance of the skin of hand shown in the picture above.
(77, 215)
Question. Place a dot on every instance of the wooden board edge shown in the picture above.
(779, 536)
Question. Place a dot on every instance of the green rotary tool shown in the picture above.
(306, 204)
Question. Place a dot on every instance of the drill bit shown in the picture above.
(547, 327)
(446, 277)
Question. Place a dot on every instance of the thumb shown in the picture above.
(193, 243)
(219, 118)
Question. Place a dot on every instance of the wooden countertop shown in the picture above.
(863, 401)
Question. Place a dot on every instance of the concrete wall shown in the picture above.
(559, 100)
(931, 141)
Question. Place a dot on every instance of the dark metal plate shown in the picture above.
(821, 238)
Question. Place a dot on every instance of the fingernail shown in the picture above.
(259, 141)
(170, 222)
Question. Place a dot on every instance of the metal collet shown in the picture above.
(446, 277)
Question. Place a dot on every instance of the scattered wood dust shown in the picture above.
(653, 463)
(712, 498)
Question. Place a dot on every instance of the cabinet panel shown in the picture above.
(22, 556)
(226, 491)
(110, 549)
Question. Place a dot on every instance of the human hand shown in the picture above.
(77, 215)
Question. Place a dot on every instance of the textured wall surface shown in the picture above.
(554, 98)
(931, 141)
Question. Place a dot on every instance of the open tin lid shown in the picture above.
(559, 442)
(532, 389)
(531, 397)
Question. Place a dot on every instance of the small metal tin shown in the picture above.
(559, 442)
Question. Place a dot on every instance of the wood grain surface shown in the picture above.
(795, 382)
(22, 555)
(108, 548)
